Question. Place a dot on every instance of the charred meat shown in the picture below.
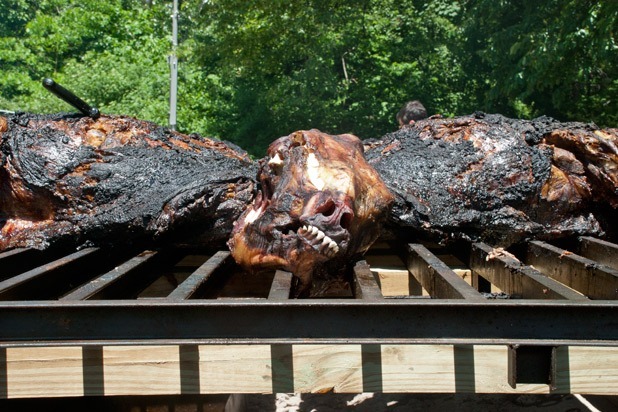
(317, 201)
(491, 178)
(68, 179)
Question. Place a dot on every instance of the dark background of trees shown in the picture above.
(250, 72)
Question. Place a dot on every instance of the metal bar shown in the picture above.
(12, 260)
(531, 364)
(311, 319)
(304, 341)
(599, 250)
(5, 256)
(198, 278)
(70, 98)
(97, 285)
(365, 285)
(584, 275)
(16, 261)
(173, 62)
(436, 277)
(514, 278)
(12, 286)
(281, 288)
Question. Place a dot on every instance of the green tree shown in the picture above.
(253, 71)
(111, 53)
(337, 66)
(552, 57)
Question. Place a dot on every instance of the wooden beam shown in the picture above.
(584, 275)
(514, 278)
(33, 372)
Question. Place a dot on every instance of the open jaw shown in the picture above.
(319, 203)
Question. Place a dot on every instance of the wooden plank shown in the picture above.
(327, 368)
(132, 370)
(44, 372)
(435, 276)
(281, 288)
(393, 276)
(198, 278)
(209, 369)
(365, 285)
(235, 369)
(599, 250)
(95, 286)
(586, 370)
(448, 369)
(584, 275)
(514, 278)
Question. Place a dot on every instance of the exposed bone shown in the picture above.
(313, 171)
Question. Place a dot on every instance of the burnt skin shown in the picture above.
(319, 203)
(72, 180)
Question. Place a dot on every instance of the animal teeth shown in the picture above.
(319, 239)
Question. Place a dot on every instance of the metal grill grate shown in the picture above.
(467, 294)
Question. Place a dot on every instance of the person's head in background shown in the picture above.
(411, 112)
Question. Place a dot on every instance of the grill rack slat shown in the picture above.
(365, 285)
(436, 277)
(281, 287)
(525, 286)
(603, 252)
(515, 278)
(587, 276)
(198, 279)
(96, 286)
(16, 286)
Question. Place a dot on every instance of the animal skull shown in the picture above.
(320, 202)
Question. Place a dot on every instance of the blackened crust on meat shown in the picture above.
(488, 177)
(67, 179)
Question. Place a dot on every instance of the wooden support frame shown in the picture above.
(212, 369)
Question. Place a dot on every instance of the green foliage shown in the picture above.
(253, 71)
(552, 57)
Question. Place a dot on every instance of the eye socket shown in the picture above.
(328, 208)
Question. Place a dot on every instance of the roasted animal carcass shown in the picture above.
(67, 179)
(319, 202)
(316, 201)
(488, 177)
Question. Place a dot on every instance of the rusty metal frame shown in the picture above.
(549, 314)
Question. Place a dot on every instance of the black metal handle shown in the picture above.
(70, 98)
